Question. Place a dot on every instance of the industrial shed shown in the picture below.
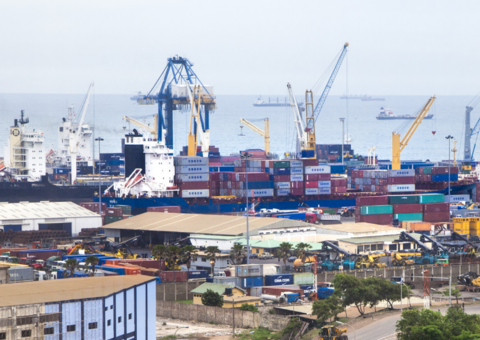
(115, 307)
(66, 216)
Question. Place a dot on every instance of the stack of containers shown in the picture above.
(339, 185)
(192, 176)
(113, 215)
(384, 217)
(407, 213)
(401, 180)
(440, 173)
(461, 225)
(282, 178)
(296, 177)
(317, 179)
(434, 208)
(259, 184)
(250, 275)
(368, 180)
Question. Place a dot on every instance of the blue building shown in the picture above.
(93, 308)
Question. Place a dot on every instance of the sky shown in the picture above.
(406, 47)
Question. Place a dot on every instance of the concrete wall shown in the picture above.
(176, 291)
(4, 276)
(225, 316)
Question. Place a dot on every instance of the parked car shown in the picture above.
(265, 256)
(292, 259)
(254, 256)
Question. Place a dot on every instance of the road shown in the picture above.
(384, 329)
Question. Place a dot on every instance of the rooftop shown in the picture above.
(215, 237)
(44, 209)
(240, 298)
(199, 223)
(67, 289)
(376, 239)
(216, 287)
(359, 228)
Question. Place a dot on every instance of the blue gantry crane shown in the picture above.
(175, 89)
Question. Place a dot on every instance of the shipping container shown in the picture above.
(20, 274)
(401, 173)
(281, 171)
(408, 217)
(303, 278)
(296, 164)
(40, 254)
(260, 193)
(444, 178)
(281, 164)
(194, 186)
(278, 290)
(401, 187)
(431, 198)
(457, 198)
(296, 171)
(400, 180)
(407, 208)
(436, 207)
(319, 169)
(324, 191)
(443, 216)
(282, 192)
(195, 193)
(324, 184)
(282, 185)
(403, 199)
(191, 169)
(278, 280)
(312, 191)
(174, 276)
(190, 160)
(251, 270)
(192, 177)
(416, 226)
(373, 200)
(197, 274)
(376, 210)
(248, 282)
(384, 219)
(229, 280)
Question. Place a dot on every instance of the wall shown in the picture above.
(225, 316)
(220, 262)
(4, 277)
(228, 304)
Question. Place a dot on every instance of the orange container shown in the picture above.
(128, 270)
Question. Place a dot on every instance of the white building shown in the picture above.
(111, 307)
(222, 261)
(47, 216)
(224, 243)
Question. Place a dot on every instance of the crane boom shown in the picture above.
(264, 133)
(311, 146)
(145, 126)
(397, 145)
(299, 127)
(321, 101)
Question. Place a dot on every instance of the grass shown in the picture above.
(259, 333)
(188, 302)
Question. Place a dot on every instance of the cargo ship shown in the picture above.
(262, 103)
(364, 98)
(386, 114)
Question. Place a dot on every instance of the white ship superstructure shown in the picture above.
(25, 153)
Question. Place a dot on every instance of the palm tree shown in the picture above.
(91, 263)
(211, 254)
(70, 266)
(238, 253)
(188, 254)
(284, 251)
(173, 253)
(301, 249)
(159, 253)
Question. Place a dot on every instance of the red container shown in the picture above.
(170, 276)
(150, 272)
(296, 185)
(339, 182)
(401, 180)
(40, 255)
(436, 207)
(296, 192)
(324, 177)
(169, 209)
(114, 212)
(443, 170)
(310, 162)
(436, 216)
(310, 177)
(280, 178)
(407, 208)
(384, 219)
(194, 185)
(372, 200)
(338, 190)
(277, 290)
(311, 184)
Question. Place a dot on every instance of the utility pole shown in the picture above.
(449, 138)
(245, 157)
(343, 135)
(99, 139)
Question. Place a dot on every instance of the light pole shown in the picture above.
(343, 134)
(449, 137)
(99, 139)
(246, 156)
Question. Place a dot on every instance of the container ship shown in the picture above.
(387, 114)
(262, 103)
(364, 98)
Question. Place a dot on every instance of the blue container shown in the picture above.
(444, 178)
(281, 171)
(60, 274)
(119, 271)
(278, 280)
(197, 274)
(249, 282)
(308, 153)
(325, 292)
(60, 171)
(226, 169)
(159, 281)
(337, 169)
(209, 279)
(294, 216)
(260, 185)
(80, 275)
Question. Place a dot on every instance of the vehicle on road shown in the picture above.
(292, 259)
(265, 256)
(331, 332)
(399, 280)
(253, 256)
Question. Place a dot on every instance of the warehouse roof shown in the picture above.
(270, 243)
(44, 209)
(199, 223)
(376, 239)
(215, 237)
(359, 228)
(67, 289)
(216, 287)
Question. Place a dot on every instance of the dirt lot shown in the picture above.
(195, 330)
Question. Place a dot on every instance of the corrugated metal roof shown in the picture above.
(66, 289)
(359, 228)
(376, 239)
(215, 237)
(33, 210)
(216, 287)
(199, 223)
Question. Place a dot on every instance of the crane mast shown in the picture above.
(264, 133)
(397, 145)
(299, 127)
(310, 149)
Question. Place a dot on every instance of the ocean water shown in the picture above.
(105, 113)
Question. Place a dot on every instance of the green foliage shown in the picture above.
(407, 293)
(70, 266)
(293, 326)
(90, 263)
(383, 290)
(188, 254)
(211, 298)
(429, 325)
(301, 249)
(238, 253)
(284, 252)
(211, 253)
(327, 308)
(248, 307)
(259, 333)
(272, 311)
(455, 293)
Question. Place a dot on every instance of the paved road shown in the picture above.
(384, 329)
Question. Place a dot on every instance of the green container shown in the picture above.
(303, 279)
(403, 199)
(427, 170)
(432, 198)
(281, 164)
(408, 217)
(111, 219)
(329, 211)
(376, 209)
(126, 209)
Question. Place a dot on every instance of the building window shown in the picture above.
(92, 325)
(109, 322)
(27, 333)
(367, 247)
(48, 330)
(373, 247)
(111, 306)
(3, 336)
(407, 245)
(119, 319)
(130, 316)
(360, 249)
(392, 247)
(204, 259)
(71, 328)
(106, 309)
(257, 250)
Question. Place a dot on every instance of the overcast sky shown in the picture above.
(406, 47)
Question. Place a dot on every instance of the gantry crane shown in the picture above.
(397, 145)
(265, 133)
(195, 134)
(173, 94)
(153, 130)
(302, 149)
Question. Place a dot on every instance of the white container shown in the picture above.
(296, 164)
(296, 171)
(311, 191)
(192, 177)
(324, 184)
(183, 160)
(457, 198)
(261, 193)
(296, 178)
(320, 169)
(282, 185)
(283, 192)
(401, 173)
(401, 188)
(196, 193)
(324, 191)
(189, 169)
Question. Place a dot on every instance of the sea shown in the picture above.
(105, 113)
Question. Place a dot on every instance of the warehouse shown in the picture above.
(86, 308)
(365, 245)
(66, 216)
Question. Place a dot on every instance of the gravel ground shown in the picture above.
(195, 330)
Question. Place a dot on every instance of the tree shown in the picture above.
(327, 308)
(355, 291)
(159, 253)
(90, 263)
(173, 254)
(301, 249)
(455, 292)
(211, 298)
(284, 252)
(238, 253)
(407, 293)
(71, 265)
(211, 255)
(248, 307)
(188, 254)
(384, 290)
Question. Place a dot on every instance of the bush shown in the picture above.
(248, 307)
(211, 298)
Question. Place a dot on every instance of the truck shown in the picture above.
(265, 256)
(287, 297)
(399, 280)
